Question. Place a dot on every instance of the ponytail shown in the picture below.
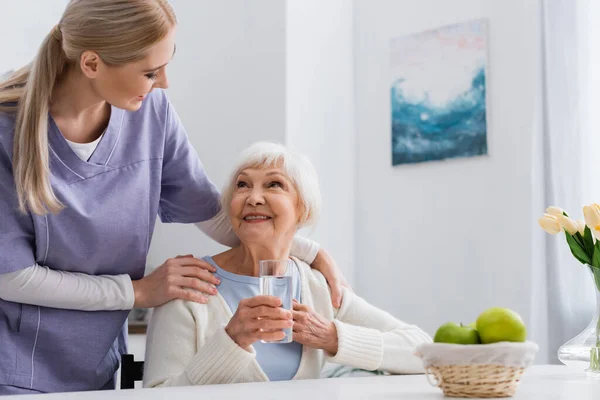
(30, 89)
(119, 32)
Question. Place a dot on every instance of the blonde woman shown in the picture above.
(90, 153)
(271, 194)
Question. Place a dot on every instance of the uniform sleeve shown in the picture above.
(370, 338)
(17, 236)
(187, 194)
(42, 286)
(304, 249)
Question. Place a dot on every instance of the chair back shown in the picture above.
(131, 371)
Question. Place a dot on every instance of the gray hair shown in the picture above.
(295, 166)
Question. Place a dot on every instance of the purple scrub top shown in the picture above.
(144, 165)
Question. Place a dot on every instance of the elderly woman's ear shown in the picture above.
(303, 216)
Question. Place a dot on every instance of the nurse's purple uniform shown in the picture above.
(143, 166)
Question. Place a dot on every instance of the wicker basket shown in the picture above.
(484, 371)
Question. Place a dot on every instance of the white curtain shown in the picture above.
(565, 169)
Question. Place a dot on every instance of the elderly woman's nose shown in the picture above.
(255, 197)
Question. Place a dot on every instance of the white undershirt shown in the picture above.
(42, 286)
(84, 150)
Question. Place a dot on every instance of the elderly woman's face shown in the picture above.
(264, 205)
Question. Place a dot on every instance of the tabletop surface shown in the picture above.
(545, 382)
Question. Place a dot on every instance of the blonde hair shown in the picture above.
(119, 31)
(295, 166)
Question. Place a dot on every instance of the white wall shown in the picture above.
(430, 243)
(227, 82)
(24, 28)
(267, 70)
(319, 113)
(442, 241)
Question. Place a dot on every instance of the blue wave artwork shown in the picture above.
(438, 99)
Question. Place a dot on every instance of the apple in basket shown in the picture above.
(493, 325)
(482, 359)
(451, 332)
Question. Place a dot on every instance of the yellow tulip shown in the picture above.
(591, 215)
(550, 224)
(556, 211)
(568, 224)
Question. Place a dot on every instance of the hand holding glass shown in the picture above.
(276, 279)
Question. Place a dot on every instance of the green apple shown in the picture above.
(498, 324)
(451, 332)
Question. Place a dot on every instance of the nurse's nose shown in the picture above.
(163, 81)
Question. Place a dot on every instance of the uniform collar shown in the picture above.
(99, 161)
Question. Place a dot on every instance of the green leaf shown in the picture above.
(588, 240)
(578, 252)
(596, 255)
(596, 273)
(577, 236)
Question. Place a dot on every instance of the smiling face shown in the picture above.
(265, 207)
(126, 86)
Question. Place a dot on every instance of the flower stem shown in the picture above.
(595, 351)
(595, 359)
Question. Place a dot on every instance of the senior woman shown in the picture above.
(272, 193)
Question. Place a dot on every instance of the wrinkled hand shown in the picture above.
(325, 264)
(313, 330)
(182, 277)
(258, 318)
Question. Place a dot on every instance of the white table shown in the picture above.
(539, 382)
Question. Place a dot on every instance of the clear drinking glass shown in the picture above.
(276, 279)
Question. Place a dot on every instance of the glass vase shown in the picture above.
(583, 351)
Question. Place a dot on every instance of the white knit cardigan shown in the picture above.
(187, 343)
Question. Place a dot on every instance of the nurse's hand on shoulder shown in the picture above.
(258, 318)
(326, 265)
(182, 277)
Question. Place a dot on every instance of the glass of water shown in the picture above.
(276, 279)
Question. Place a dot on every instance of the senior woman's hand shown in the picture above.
(258, 318)
(313, 330)
(325, 264)
(182, 277)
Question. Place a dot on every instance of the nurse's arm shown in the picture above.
(42, 286)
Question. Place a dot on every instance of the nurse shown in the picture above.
(90, 153)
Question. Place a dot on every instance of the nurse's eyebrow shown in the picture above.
(157, 68)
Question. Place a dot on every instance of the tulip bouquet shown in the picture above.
(583, 238)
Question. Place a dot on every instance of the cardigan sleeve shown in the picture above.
(370, 338)
(177, 355)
